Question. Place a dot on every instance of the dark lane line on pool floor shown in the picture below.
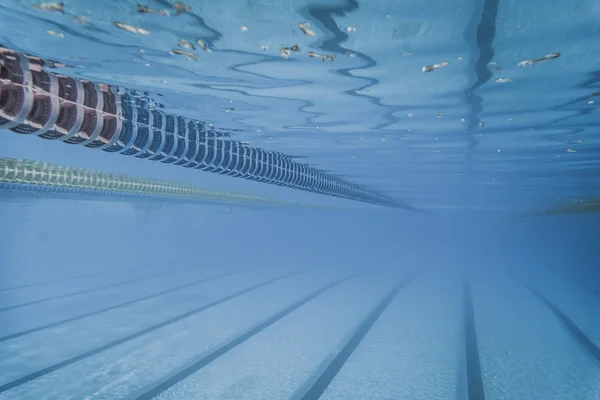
(205, 360)
(316, 385)
(475, 389)
(574, 331)
(66, 279)
(120, 305)
(97, 289)
(135, 335)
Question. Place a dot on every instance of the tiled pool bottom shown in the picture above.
(202, 332)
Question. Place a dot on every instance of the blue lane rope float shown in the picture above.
(34, 100)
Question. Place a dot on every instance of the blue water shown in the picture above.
(465, 294)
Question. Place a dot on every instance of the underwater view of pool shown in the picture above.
(299, 200)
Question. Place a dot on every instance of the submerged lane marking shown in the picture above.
(125, 339)
(218, 352)
(322, 381)
(578, 335)
(71, 278)
(474, 378)
(120, 305)
(80, 292)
